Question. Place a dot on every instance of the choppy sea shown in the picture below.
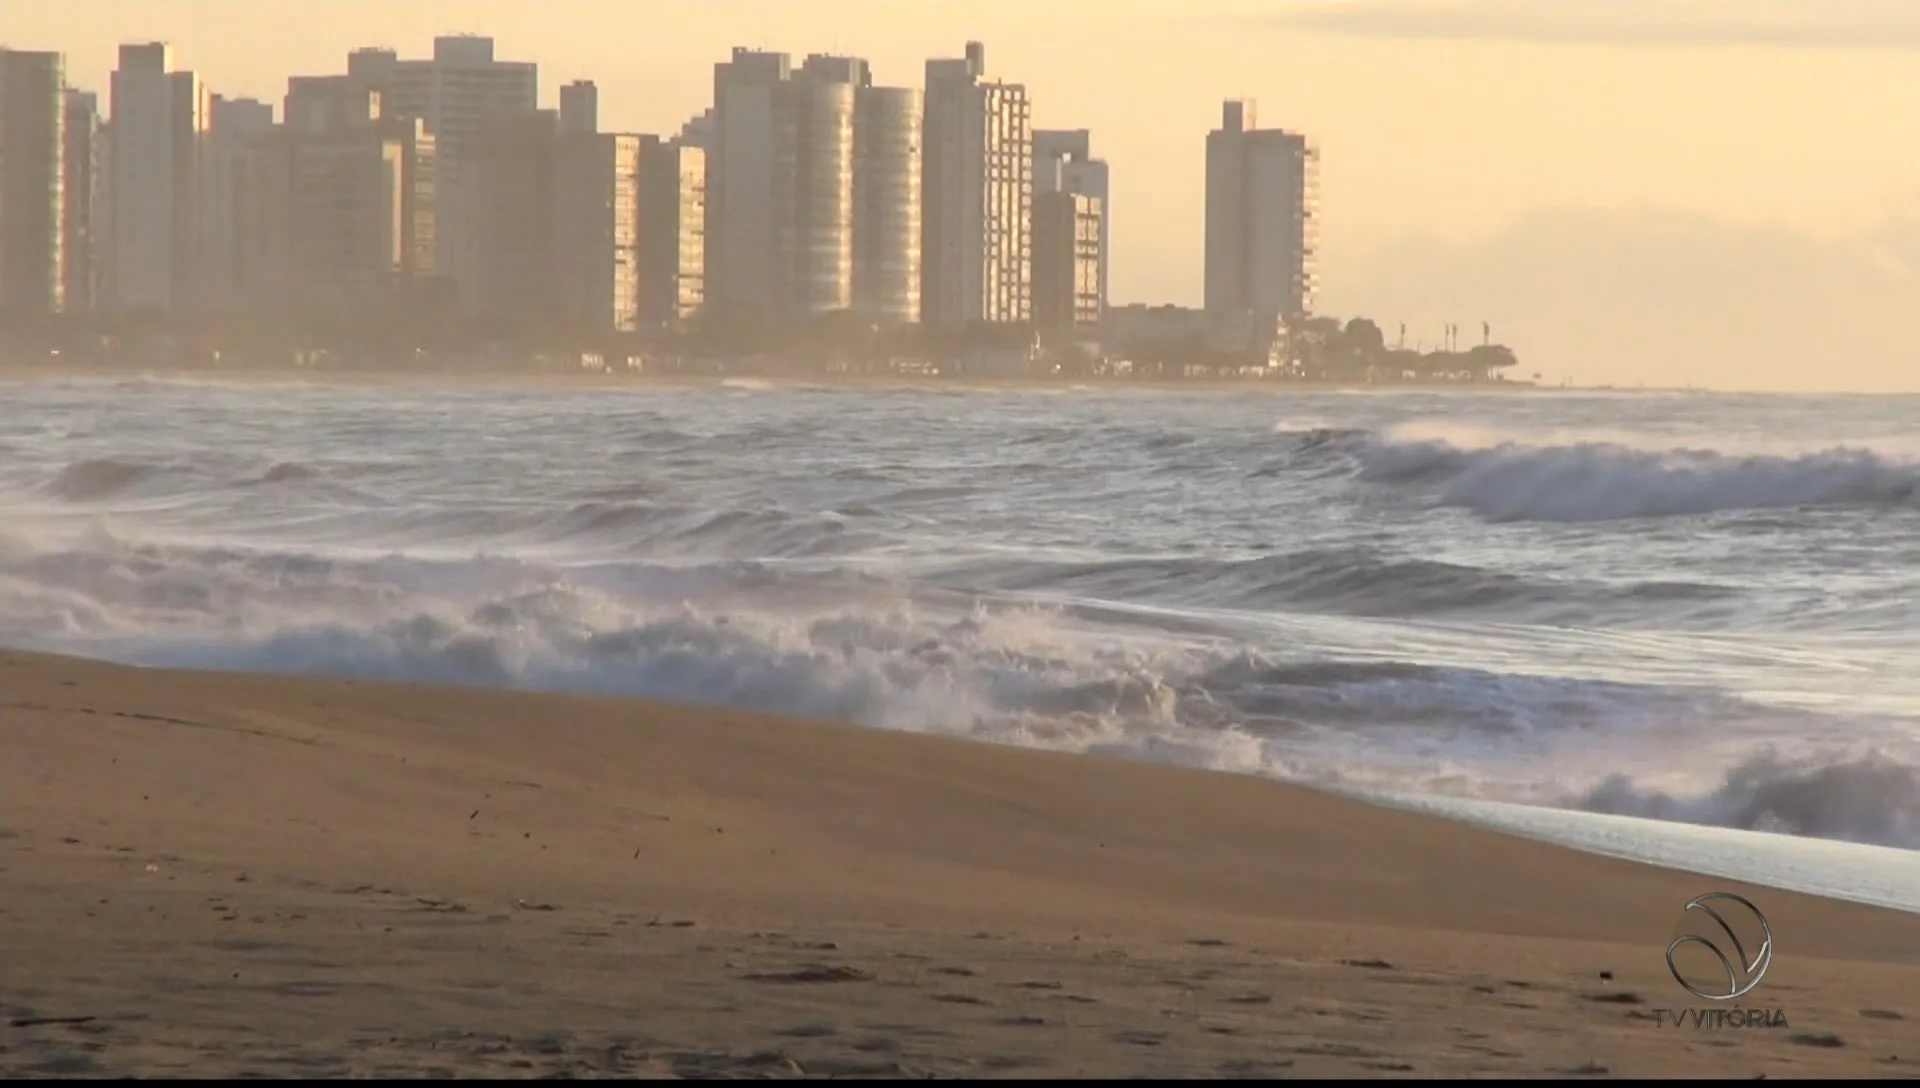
(1682, 628)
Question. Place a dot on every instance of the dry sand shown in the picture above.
(215, 875)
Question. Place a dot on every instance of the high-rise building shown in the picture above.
(457, 93)
(749, 171)
(232, 123)
(673, 214)
(316, 104)
(79, 231)
(511, 169)
(818, 126)
(887, 159)
(1063, 162)
(33, 113)
(1067, 289)
(325, 208)
(977, 207)
(580, 107)
(596, 224)
(698, 131)
(103, 219)
(347, 237)
(782, 194)
(159, 125)
(260, 202)
(560, 248)
(1262, 212)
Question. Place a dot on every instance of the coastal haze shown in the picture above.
(1629, 219)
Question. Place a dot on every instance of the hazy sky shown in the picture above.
(1715, 192)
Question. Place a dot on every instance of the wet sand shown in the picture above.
(213, 875)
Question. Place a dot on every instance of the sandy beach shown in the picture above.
(214, 875)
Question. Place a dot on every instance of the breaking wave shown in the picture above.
(1601, 481)
(891, 654)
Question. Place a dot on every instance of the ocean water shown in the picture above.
(1675, 627)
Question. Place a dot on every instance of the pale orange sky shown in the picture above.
(1707, 191)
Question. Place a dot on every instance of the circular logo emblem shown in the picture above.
(1723, 944)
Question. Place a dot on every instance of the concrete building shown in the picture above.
(325, 208)
(559, 252)
(818, 125)
(511, 169)
(596, 229)
(673, 212)
(887, 164)
(33, 114)
(1262, 225)
(977, 202)
(749, 170)
(260, 202)
(1063, 162)
(781, 200)
(348, 246)
(347, 235)
(1067, 289)
(322, 104)
(79, 230)
(698, 131)
(580, 107)
(103, 219)
(232, 123)
(160, 121)
(457, 94)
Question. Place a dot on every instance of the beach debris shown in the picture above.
(814, 973)
(153, 868)
(440, 906)
(1617, 997)
(1606, 976)
(49, 1021)
(526, 904)
(1824, 1039)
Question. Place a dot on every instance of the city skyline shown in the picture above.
(386, 192)
(1525, 210)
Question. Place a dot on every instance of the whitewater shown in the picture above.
(1679, 628)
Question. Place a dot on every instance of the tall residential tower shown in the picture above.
(977, 207)
(160, 120)
(1063, 162)
(457, 94)
(1262, 210)
(33, 150)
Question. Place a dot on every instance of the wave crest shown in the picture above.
(1605, 482)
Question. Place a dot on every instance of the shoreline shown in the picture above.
(336, 876)
(602, 380)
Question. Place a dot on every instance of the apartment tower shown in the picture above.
(33, 150)
(673, 228)
(887, 179)
(457, 94)
(1063, 162)
(80, 236)
(977, 202)
(160, 121)
(1262, 229)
